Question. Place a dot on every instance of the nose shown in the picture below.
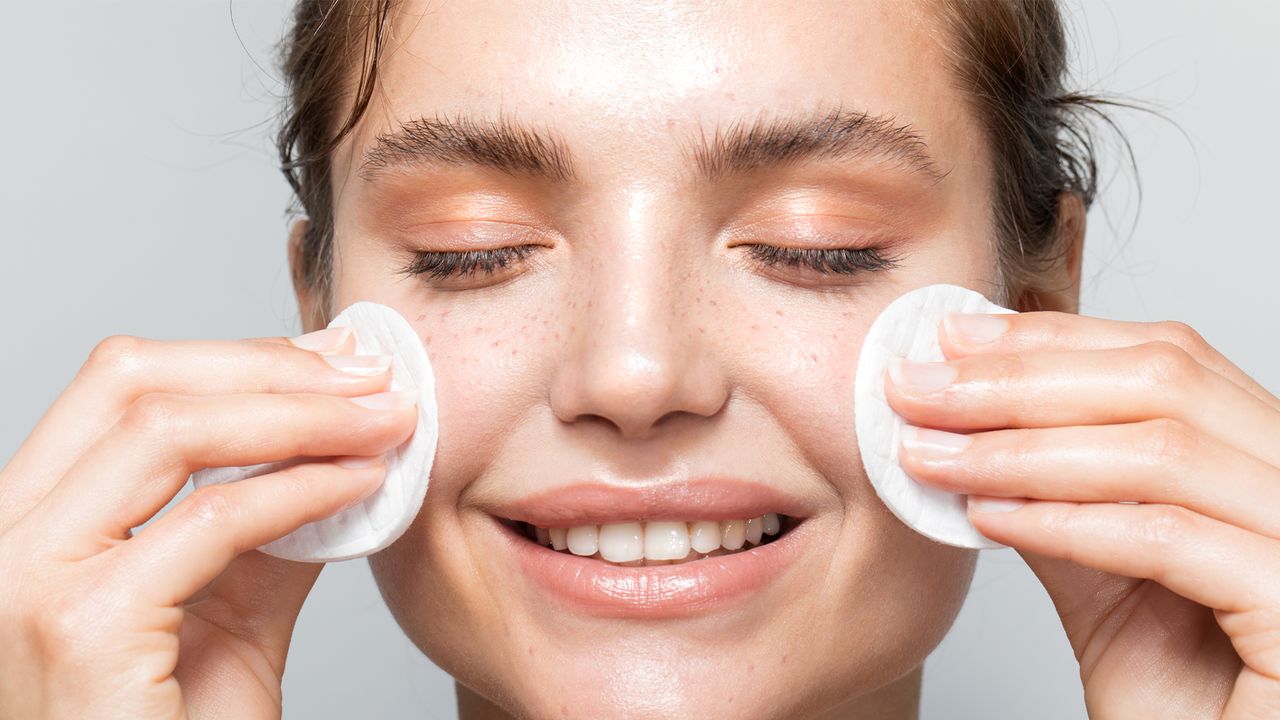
(640, 352)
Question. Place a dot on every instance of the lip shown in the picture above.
(595, 587)
(707, 498)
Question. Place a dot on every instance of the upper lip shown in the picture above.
(598, 503)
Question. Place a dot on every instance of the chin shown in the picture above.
(830, 610)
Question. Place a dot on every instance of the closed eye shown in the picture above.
(841, 261)
(443, 265)
(470, 263)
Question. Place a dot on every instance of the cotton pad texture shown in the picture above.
(382, 517)
(908, 327)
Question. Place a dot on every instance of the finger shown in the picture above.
(1082, 387)
(968, 333)
(122, 368)
(187, 547)
(141, 463)
(1156, 461)
(1205, 560)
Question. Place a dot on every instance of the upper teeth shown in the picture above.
(659, 539)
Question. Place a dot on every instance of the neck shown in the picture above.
(899, 700)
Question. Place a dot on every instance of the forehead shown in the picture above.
(629, 83)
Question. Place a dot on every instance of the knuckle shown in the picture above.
(61, 623)
(1170, 442)
(1008, 364)
(154, 414)
(117, 356)
(210, 506)
(1180, 334)
(1166, 365)
(1167, 527)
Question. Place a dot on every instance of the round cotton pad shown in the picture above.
(382, 517)
(908, 327)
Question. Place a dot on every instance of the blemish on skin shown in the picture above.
(444, 314)
(713, 303)
(778, 312)
(420, 317)
(494, 344)
(530, 651)
(754, 328)
(784, 658)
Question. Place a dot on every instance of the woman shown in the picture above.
(642, 246)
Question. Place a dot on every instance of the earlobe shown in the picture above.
(301, 290)
(1060, 290)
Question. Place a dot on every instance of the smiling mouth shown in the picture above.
(657, 542)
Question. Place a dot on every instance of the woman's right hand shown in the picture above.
(185, 618)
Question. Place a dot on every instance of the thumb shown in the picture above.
(266, 594)
(1083, 596)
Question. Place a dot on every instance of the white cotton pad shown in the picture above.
(909, 327)
(383, 516)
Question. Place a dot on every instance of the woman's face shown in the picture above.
(639, 360)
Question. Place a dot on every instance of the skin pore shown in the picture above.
(639, 338)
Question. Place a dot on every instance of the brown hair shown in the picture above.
(1009, 56)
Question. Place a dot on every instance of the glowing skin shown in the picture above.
(640, 360)
(640, 343)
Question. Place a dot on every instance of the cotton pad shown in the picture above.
(382, 517)
(908, 327)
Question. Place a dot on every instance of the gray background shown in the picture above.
(140, 196)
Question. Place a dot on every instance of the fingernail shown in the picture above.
(975, 329)
(930, 443)
(357, 461)
(321, 340)
(360, 365)
(393, 400)
(923, 377)
(982, 503)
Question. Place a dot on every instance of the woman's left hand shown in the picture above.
(1150, 469)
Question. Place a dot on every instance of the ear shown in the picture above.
(304, 293)
(1060, 290)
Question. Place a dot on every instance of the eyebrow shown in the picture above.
(510, 147)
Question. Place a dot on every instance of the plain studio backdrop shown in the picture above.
(140, 195)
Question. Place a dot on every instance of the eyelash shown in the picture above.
(441, 265)
(838, 261)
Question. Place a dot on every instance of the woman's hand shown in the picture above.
(185, 619)
(1171, 600)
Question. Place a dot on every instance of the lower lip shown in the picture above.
(596, 587)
